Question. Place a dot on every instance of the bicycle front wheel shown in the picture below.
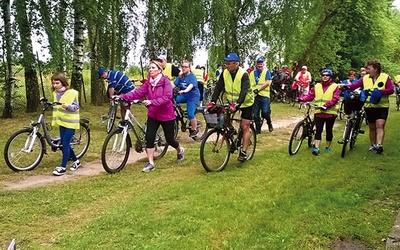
(112, 113)
(341, 111)
(160, 144)
(81, 140)
(297, 137)
(346, 136)
(115, 151)
(214, 151)
(18, 154)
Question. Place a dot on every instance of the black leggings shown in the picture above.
(319, 125)
(151, 130)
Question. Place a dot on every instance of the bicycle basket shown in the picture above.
(353, 102)
(211, 119)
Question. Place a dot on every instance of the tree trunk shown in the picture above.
(31, 80)
(8, 111)
(77, 79)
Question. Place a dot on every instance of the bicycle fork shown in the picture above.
(30, 141)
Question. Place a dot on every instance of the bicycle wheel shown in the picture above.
(112, 113)
(251, 149)
(115, 151)
(176, 128)
(297, 137)
(202, 127)
(354, 132)
(214, 151)
(346, 136)
(397, 102)
(81, 140)
(16, 154)
(160, 144)
(341, 111)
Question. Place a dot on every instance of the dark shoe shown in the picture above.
(242, 156)
(379, 149)
(315, 151)
(361, 131)
(77, 164)
(258, 131)
(193, 133)
(270, 128)
(58, 171)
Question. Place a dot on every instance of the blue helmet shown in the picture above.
(327, 71)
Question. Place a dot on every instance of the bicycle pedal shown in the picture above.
(361, 131)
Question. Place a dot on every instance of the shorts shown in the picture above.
(247, 113)
(374, 114)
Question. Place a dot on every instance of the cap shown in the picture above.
(260, 60)
(101, 71)
(304, 67)
(232, 57)
(162, 58)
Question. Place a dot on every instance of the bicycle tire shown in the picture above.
(297, 137)
(214, 151)
(251, 149)
(354, 132)
(18, 160)
(112, 113)
(397, 102)
(160, 144)
(114, 155)
(310, 134)
(341, 111)
(202, 127)
(81, 140)
(346, 137)
(176, 128)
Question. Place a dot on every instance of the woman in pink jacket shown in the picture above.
(159, 92)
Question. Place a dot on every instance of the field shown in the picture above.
(274, 201)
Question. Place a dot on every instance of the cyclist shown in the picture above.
(158, 89)
(66, 117)
(377, 104)
(352, 79)
(302, 81)
(260, 80)
(188, 93)
(234, 82)
(326, 95)
(199, 73)
(118, 83)
(218, 72)
(170, 70)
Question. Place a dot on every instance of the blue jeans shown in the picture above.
(261, 104)
(67, 152)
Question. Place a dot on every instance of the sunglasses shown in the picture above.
(325, 75)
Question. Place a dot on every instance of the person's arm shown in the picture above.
(353, 86)
(244, 89)
(137, 94)
(309, 97)
(389, 88)
(219, 87)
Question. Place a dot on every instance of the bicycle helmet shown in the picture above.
(327, 71)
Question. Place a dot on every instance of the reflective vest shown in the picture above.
(62, 116)
(322, 97)
(368, 84)
(168, 70)
(199, 74)
(265, 92)
(232, 88)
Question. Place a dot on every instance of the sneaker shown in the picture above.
(372, 148)
(315, 151)
(258, 131)
(193, 133)
(242, 156)
(148, 167)
(59, 171)
(270, 128)
(379, 149)
(327, 150)
(77, 164)
(180, 155)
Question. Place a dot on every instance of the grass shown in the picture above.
(274, 201)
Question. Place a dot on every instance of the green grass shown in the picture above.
(274, 201)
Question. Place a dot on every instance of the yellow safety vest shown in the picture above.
(265, 92)
(62, 116)
(368, 84)
(199, 74)
(322, 97)
(232, 88)
(168, 70)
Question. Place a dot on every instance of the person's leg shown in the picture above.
(151, 130)
(266, 112)
(191, 107)
(168, 127)
(329, 132)
(256, 114)
(319, 125)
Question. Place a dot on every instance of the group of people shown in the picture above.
(248, 92)
(327, 93)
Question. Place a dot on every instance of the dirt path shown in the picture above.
(95, 168)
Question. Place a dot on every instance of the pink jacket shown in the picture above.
(161, 107)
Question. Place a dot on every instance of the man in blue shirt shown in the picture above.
(260, 81)
(118, 83)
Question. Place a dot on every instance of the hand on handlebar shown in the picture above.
(210, 106)
(146, 103)
(233, 106)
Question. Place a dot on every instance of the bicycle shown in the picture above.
(397, 92)
(353, 122)
(303, 129)
(25, 148)
(184, 122)
(112, 115)
(116, 147)
(224, 139)
(209, 90)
